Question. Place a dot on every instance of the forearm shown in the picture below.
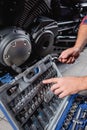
(82, 37)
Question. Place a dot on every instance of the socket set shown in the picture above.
(75, 115)
(27, 103)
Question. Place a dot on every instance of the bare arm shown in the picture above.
(82, 37)
(71, 54)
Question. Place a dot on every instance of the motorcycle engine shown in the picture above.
(24, 29)
(16, 18)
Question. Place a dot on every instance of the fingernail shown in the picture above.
(43, 81)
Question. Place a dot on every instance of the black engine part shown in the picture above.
(65, 9)
(21, 13)
(44, 35)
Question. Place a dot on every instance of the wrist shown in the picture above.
(83, 81)
(77, 48)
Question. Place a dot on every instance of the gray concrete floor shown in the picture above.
(79, 68)
(4, 124)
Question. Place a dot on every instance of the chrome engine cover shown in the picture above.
(15, 47)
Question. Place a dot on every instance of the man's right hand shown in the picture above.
(69, 55)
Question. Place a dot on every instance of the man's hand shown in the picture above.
(65, 86)
(69, 55)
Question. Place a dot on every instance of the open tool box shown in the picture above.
(75, 115)
(28, 104)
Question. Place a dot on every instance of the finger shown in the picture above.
(63, 94)
(52, 80)
(63, 60)
(54, 87)
(69, 60)
(60, 59)
(76, 56)
(73, 60)
(57, 91)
